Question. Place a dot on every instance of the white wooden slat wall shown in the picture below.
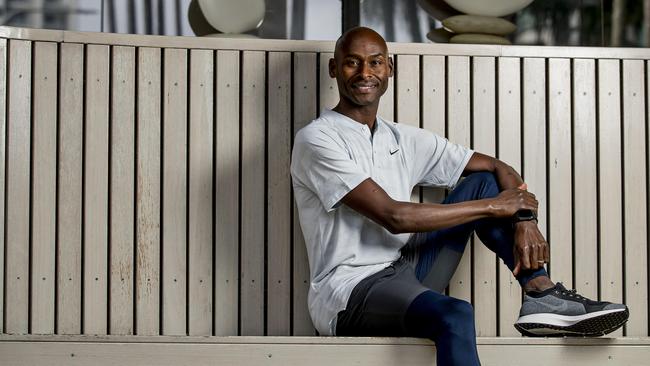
(122, 190)
(147, 189)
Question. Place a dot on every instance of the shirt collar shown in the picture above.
(349, 122)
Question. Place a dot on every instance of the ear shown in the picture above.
(332, 68)
(391, 68)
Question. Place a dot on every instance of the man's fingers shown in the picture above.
(534, 255)
(523, 186)
(525, 257)
(517, 268)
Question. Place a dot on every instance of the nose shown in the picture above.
(365, 69)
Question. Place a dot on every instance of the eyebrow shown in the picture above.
(359, 56)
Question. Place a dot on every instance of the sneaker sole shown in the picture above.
(589, 325)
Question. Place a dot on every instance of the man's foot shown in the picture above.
(561, 312)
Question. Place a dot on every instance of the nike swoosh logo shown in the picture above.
(393, 152)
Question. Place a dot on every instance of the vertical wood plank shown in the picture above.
(559, 146)
(147, 271)
(484, 138)
(18, 162)
(174, 194)
(44, 187)
(509, 150)
(407, 109)
(227, 195)
(584, 185)
(201, 126)
(610, 182)
(304, 101)
(534, 131)
(95, 240)
(122, 190)
(253, 196)
(433, 110)
(3, 152)
(387, 101)
(329, 92)
(69, 219)
(459, 93)
(279, 194)
(634, 200)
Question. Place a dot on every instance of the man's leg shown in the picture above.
(442, 250)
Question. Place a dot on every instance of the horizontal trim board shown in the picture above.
(285, 350)
(316, 46)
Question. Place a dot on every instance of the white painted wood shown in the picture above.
(226, 200)
(407, 95)
(509, 150)
(634, 200)
(459, 110)
(433, 110)
(147, 269)
(585, 181)
(18, 162)
(559, 175)
(387, 101)
(610, 182)
(44, 127)
(329, 92)
(534, 131)
(95, 232)
(484, 139)
(278, 280)
(253, 196)
(315, 350)
(174, 190)
(3, 154)
(70, 181)
(201, 150)
(304, 101)
(122, 191)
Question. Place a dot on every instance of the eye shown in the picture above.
(352, 62)
(377, 62)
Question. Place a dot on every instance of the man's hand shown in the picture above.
(509, 201)
(531, 249)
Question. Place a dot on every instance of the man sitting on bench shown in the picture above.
(380, 263)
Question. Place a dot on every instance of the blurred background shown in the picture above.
(624, 23)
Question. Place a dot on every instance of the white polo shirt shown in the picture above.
(330, 157)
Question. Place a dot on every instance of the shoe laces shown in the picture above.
(572, 293)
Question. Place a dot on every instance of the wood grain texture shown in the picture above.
(201, 153)
(95, 232)
(19, 101)
(560, 235)
(69, 188)
(253, 240)
(585, 181)
(433, 110)
(304, 101)
(44, 127)
(174, 191)
(634, 197)
(484, 138)
(458, 107)
(534, 131)
(122, 191)
(407, 98)
(509, 150)
(610, 181)
(279, 200)
(226, 200)
(329, 92)
(148, 193)
(3, 160)
(387, 101)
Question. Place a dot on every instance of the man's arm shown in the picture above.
(369, 199)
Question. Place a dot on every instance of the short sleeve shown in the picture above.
(438, 161)
(321, 164)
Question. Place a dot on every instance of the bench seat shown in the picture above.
(314, 351)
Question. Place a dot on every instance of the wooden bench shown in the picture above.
(148, 208)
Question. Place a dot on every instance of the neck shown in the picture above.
(366, 114)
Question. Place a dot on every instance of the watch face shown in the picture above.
(523, 215)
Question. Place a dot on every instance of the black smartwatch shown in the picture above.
(524, 215)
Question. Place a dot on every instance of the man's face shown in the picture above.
(362, 68)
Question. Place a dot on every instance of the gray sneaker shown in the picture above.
(561, 312)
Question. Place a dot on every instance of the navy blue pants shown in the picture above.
(405, 299)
